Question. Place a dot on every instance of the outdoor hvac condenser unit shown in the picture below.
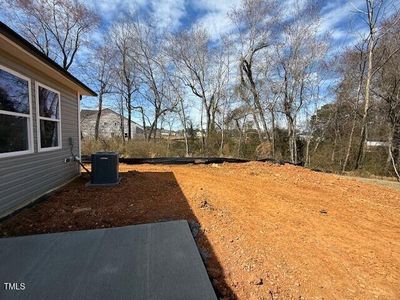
(104, 169)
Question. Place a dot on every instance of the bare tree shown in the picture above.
(176, 91)
(360, 73)
(152, 67)
(57, 27)
(121, 110)
(238, 116)
(127, 72)
(387, 88)
(200, 70)
(373, 15)
(299, 58)
(103, 71)
(254, 23)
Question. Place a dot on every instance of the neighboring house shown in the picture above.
(163, 133)
(110, 124)
(166, 133)
(39, 122)
(304, 137)
(375, 145)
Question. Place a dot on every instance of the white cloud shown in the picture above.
(216, 20)
(221, 5)
(337, 14)
(110, 10)
(341, 20)
(167, 13)
(290, 7)
(215, 24)
(338, 34)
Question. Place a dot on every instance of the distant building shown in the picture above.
(110, 124)
(304, 137)
(374, 145)
(165, 133)
(377, 144)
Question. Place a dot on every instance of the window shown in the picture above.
(49, 118)
(15, 114)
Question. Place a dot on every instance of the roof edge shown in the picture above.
(27, 46)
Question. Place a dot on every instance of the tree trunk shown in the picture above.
(169, 140)
(308, 161)
(262, 117)
(185, 136)
(353, 126)
(223, 128)
(122, 121)
(240, 135)
(363, 134)
(294, 142)
(221, 147)
(182, 116)
(143, 123)
(246, 66)
(129, 119)
(391, 156)
(273, 133)
(292, 147)
(151, 133)
(258, 128)
(334, 149)
(201, 128)
(97, 125)
(155, 128)
(208, 126)
(396, 138)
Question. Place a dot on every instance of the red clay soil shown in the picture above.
(265, 231)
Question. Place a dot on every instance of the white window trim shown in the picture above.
(28, 116)
(38, 118)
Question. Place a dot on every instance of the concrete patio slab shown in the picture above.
(150, 261)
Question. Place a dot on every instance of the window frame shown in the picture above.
(39, 118)
(29, 116)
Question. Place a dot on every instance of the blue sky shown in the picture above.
(337, 16)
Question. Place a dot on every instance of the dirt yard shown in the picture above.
(264, 231)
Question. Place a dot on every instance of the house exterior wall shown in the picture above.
(110, 126)
(25, 178)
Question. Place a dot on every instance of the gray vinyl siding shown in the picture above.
(25, 178)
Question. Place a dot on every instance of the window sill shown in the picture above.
(14, 154)
(49, 149)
